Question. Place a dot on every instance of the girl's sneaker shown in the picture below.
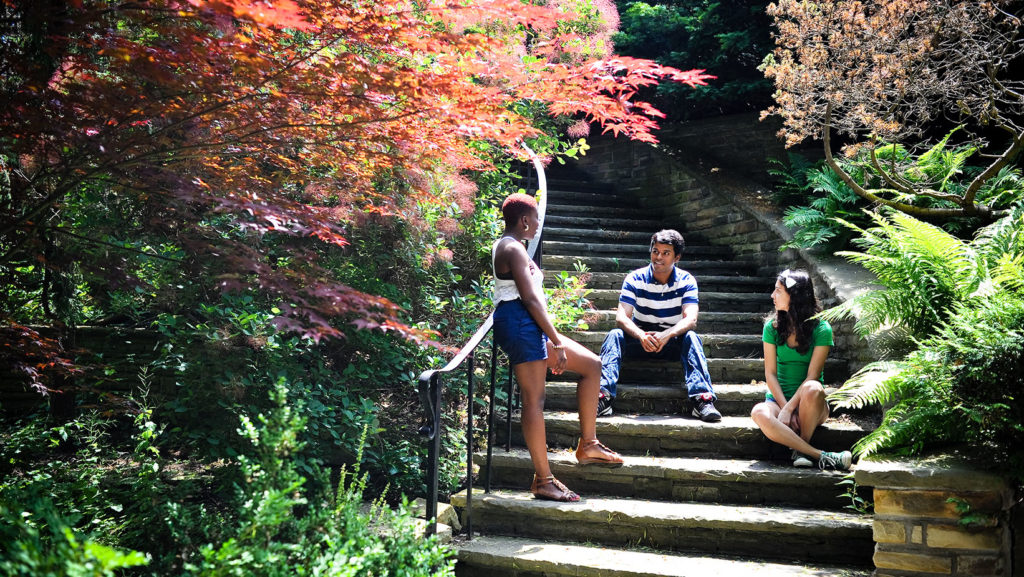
(840, 461)
(801, 460)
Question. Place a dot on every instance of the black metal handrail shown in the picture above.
(431, 386)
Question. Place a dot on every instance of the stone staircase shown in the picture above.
(692, 498)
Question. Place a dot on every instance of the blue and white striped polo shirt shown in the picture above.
(658, 306)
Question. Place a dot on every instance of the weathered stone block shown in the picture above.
(931, 503)
(915, 562)
(971, 565)
(889, 531)
(917, 535)
(954, 537)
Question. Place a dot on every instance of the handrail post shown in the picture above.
(433, 394)
(469, 448)
(490, 415)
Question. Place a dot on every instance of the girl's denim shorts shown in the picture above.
(518, 334)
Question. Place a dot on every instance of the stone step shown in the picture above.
(708, 322)
(521, 557)
(715, 344)
(624, 222)
(721, 371)
(713, 283)
(766, 533)
(595, 197)
(613, 207)
(569, 233)
(558, 186)
(676, 436)
(641, 398)
(615, 249)
(712, 302)
(698, 268)
(732, 481)
(669, 399)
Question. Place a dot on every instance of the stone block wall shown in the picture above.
(919, 525)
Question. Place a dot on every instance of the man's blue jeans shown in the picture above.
(688, 349)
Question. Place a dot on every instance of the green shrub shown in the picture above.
(960, 306)
(38, 541)
(285, 529)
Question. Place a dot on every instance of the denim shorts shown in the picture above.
(518, 334)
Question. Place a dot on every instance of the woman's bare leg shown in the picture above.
(588, 365)
(531, 385)
(766, 416)
(812, 408)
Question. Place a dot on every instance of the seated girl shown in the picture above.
(795, 348)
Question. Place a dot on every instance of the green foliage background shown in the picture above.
(728, 38)
(228, 454)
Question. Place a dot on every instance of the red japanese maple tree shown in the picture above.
(278, 116)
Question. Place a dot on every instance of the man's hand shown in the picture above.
(651, 343)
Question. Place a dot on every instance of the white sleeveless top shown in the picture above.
(505, 289)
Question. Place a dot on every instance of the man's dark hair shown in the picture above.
(669, 236)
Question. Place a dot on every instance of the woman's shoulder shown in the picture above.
(769, 333)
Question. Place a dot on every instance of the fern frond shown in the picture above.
(933, 154)
(1005, 235)
(912, 426)
(872, 385)
(1008, 272)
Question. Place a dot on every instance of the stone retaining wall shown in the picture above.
(920, 527)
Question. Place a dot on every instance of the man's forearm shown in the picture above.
(629, 327)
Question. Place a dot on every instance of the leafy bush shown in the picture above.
(959, 307)
(40, 542)
(252, 514)
(729, 38)
(568, 306)
(283, 529)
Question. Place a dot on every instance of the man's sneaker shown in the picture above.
(801, 460)
(604, 404)
(704, 409)
(840, 461)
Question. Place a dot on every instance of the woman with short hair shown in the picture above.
(525, 332)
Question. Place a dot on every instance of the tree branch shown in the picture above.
(917, 211)
(1002, 160)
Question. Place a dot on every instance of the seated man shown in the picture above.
(656, 318)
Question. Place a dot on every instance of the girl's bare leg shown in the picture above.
(812, 407)
(766, 415)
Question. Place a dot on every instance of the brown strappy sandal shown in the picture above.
(593, 452)
(552, 489)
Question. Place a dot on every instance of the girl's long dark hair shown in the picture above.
(802, 306)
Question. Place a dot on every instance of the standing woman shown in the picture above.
(795, 349)
(525, 332)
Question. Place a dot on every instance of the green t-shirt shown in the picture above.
(791, 366)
